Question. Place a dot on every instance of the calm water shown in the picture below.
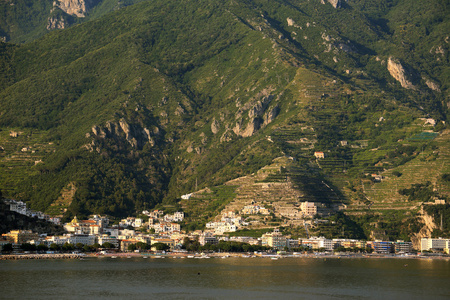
(214, 278)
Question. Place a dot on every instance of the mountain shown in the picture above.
(26, 20)
(136, 106)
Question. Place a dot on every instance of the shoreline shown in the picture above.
(213, 255)
(40, 256)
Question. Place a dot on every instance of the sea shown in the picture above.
(229, 278)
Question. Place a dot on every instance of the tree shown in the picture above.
(194, 246)
(41, 248)
(28, 247)
(186, 243)
(142, 246)
(161, 246)
(55, 247)
(7, 247)
(108, 245)
(132, 247)
(68, 247)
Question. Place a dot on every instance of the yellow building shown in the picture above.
(20, 236)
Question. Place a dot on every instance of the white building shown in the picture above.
(176, 217)
(438, 244)
(58, 240)
(166, 227)
(85, 239)
(274, 240)
(187, 196)
(308, 208)
(108, 239)
(317, 243)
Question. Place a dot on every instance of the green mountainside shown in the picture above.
(139, 105)
(26, 20)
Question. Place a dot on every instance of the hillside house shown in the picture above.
(308, 208)
(319, 154)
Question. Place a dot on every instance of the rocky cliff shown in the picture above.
(76, 7)
(335, 3)
(135, 134)
(397, 71)
(426, 230)
(56, 23)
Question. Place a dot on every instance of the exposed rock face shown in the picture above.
(290, 22)
(432, 85)
(256, 110)
(271, 115)
(251, 128)
(215, 126)
(76, 7)
(55, 23)
(398, 72)
(426, 230)
(335, 3)
(346, 48)
(179, 111)
(135, 134)
(226, 136)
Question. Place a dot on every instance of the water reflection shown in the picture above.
(313, 278)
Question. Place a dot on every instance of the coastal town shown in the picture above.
(157, 232)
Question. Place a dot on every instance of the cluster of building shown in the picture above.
(21, 208)
(83, 232)
(255, 209)
(96, 230)
(233, 221)
(166, 230)
(277, 241)
(157, 220)
(229, 222)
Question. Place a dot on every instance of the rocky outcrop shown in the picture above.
(290, 22)
(227, 136)
(256, 115)
(432, 85)
(135, 134)
(335, 3)
(426, 230)
(76, 7)
(397, 71)
(215, 126)
(271, 115)
(56, 23)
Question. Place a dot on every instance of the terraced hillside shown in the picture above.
(21, 153)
